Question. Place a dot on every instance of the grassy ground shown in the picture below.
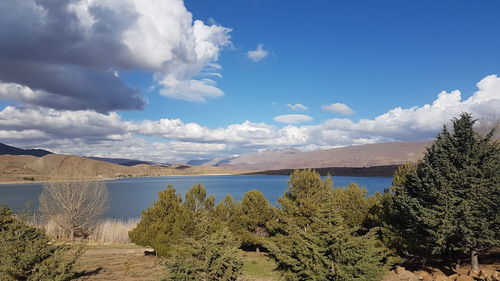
(128, 263)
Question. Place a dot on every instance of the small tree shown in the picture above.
(74, 205)
(449, 204)
(26, 253)
(215, 257)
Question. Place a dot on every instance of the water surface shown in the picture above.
(128, 197)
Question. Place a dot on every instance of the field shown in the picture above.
(128, 263)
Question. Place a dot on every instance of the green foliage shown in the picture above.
(197, 201)
(250, 220)
(27, 254)
(311, 240)
(382, 218)
(163, 224)
(352, 204)
(214, 257)
(225, 209)
(449, 204)
(191, 235)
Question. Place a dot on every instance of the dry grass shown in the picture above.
(112, 264)
(112, 231)
(128, 263)
(106, 231)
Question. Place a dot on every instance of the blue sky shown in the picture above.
(370, 55)
(131, 86)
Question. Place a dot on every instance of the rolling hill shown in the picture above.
(369, 155)
(22, 168)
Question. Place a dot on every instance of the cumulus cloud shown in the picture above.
(339, 108)
(293, 118)
(67, 54)
(258, 54)
(297, 106)
(87, 132)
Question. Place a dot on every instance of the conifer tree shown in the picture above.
(449, 205)
(163, 224)
(27, 254)
(251, 218)
(310, 240)
(214, 257)
(225, 209)
(352, 204)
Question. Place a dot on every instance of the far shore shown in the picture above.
(119, 178)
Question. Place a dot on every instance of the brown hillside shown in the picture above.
(19, 168)
(369, 155)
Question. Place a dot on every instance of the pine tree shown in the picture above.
(225, 209)
(311, 241)
(352, 204)
(27, 254)
(214, 257)
(250, 220)
(449, 205)
(163, 224)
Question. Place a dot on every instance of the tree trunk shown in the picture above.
(457, 266)
(474, 262)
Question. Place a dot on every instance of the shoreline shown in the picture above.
(119, 178)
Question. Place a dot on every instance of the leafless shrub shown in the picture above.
(74, 206)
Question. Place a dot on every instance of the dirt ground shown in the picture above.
(119, 264)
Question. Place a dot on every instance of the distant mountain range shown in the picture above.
(7, 149)
(381, 159)
(369, 155)
(11, 150)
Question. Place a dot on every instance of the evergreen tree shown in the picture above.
(214, 257)
(163, 224)
(251, 218)
(27, 254)
(352, 204)
(382, 218)
(197, 200)
(225, 209)
(311, 241)
(450, 204)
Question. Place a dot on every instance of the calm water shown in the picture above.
(128, 197)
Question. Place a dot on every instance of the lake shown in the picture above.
(128, 197)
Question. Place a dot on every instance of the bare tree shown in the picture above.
(74, 205)
(486, 124)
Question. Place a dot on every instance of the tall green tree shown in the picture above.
(311, 241)
(27, 254)
(450, 204)
(163, 224)
(250, 221)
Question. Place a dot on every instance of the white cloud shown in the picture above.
(293, 118)
(77, 49)
(258, 54)
(87, 132)
(297, 106)
(339, 108)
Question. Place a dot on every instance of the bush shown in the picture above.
(213, 258)
(27, 254)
